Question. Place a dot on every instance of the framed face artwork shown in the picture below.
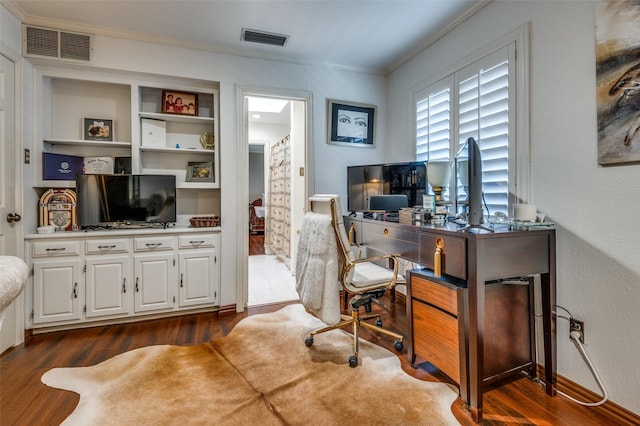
(351, 124)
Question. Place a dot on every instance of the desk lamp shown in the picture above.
(439, 175)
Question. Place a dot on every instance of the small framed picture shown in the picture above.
(199, 172)
(175, 102)
(350, 124)
(97, 129)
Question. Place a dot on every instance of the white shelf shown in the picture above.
(177, 118)
(63, 102)
(78, 142)
(194, 185)
(177, 150)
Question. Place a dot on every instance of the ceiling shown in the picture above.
(369, 35)
(374, 36)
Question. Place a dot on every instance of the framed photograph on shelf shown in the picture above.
(350, 124)
(199, 172)
(97, 129)
(183, 103)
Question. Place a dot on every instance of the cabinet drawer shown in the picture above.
(154, 244)
(197, 241)
(435, 294)
(55, 248)
(106, 246)
(435, 338)
(453, 257)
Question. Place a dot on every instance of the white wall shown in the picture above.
(322, 81)
(256, 176)
(10, 30)
(595, 208)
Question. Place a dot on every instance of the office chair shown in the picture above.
(364, 280)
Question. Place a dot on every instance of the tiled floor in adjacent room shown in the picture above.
(270, 281)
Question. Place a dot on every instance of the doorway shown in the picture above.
(271, 119)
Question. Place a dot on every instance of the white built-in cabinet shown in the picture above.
(111, 276)
(88, 278)
(66, 96)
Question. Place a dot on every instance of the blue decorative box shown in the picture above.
(60, 166)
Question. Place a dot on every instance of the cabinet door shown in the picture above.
(108, 284)
(155, 278)
(198, 282)
(57, 290)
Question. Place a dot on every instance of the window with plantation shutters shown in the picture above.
(477, 101)
(433, 122)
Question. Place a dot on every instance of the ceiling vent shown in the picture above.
(264, 37)
(47, 43)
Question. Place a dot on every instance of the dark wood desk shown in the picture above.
(476, 258)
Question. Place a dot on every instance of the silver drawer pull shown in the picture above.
(196, 243)
(56, 249)
(107, 247)
(153, 245)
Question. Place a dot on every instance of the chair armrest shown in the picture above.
(391, 284)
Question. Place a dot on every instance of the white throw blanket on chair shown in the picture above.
(317, 268)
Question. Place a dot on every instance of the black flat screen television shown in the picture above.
(112, 200)
(469, 171)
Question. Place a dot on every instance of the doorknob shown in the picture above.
(13, 217)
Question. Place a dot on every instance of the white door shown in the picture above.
(197, 281)
(108, 286)
(57, 291)
(7, 156)
(154, 282)
(11, 327)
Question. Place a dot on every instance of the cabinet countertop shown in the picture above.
(176, 230)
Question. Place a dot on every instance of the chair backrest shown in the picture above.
(329, 204)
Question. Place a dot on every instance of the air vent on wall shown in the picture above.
(264, 37)
(38, 42)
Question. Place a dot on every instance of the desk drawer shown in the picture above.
(435, 338)
(390, 238)
(197, 241)
(453, 256)
(107, 246)
(154, 244)
(435, 294)
(55, 248)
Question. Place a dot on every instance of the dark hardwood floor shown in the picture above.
(24, 400)
(256, 244)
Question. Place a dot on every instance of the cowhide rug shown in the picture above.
(260, 374)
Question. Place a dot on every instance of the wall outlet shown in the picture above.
(575, 325)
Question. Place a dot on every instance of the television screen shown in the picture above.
(469, 171)
(117, 199)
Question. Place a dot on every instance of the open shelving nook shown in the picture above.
(65, 96)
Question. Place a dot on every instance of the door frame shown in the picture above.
(242, 151)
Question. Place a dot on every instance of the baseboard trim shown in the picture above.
(227, 309)
(617, 414)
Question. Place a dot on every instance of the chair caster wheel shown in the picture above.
(398, 345)
(379, 322)
(353, 361)
(308, 341)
